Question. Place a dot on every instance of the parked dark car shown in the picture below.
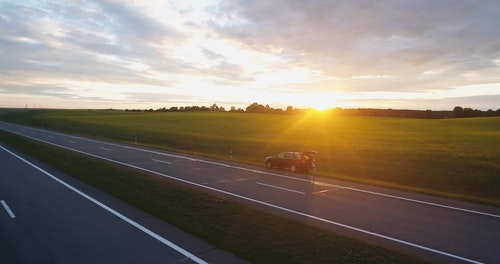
(295, 161)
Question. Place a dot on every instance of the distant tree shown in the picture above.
(236, 110)
(214, 108)
(255, 108)
(468, 112)
(458, 111)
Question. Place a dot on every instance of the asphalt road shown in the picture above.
(49, 217)
(432, 228)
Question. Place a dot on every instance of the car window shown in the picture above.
(288, 155)
(281, 155)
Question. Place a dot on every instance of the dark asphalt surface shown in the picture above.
(432, 228)
(44, 221)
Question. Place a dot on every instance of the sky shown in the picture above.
(125, 54)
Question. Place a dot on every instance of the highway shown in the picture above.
(432, 228)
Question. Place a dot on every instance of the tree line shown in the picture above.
(457, 112)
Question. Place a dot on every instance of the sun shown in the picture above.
(322, 105)
(321, 101)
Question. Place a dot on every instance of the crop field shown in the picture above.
(452, 157)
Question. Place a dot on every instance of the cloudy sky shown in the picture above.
(411, 54)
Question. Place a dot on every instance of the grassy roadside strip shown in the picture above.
(256, 236)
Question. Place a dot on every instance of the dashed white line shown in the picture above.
(280, 188)
(105, 149)
(161, 161)
(7, 208)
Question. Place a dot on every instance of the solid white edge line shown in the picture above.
(408, 199)
(439, 252)
(280, 188)
(273, 174)
(119, 215)
(7, 208)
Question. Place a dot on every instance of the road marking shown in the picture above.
(110, 210)
(71, 141)
(407, 199)
(323, 191)
(162, 161)
(7, 208)
(278, 187)
(272, 205)
(105, 149)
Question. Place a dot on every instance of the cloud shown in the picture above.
(397, 38)
(212, 55)
(256, 48)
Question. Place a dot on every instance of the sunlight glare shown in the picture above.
(321, 101)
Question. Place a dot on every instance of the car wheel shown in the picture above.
(269, 165)
(293, 168)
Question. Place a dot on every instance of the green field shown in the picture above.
(452, 157)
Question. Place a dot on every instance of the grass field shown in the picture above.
(452, 157)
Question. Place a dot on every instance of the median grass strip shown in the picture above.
(251, 234)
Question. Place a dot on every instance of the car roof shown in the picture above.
(308, 152)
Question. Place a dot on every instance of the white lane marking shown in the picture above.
(161, 161)
(323, 191)
(7, 208)
(71, 141)
(407, 199)
(252, 170)
(112, 211)
(404, 242)
(50, 136)
(105, 149)
(280, 188)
